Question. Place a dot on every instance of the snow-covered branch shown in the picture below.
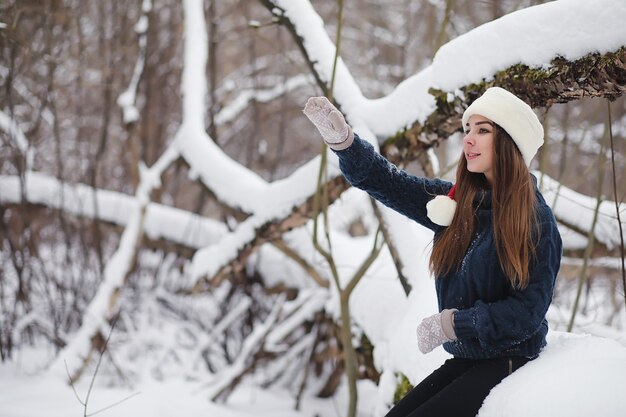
(231, 111)
(253, 343)
(77, 353)
(304, 308)
(127, 99)
(162, 222)
(13, 130)
(74, 357)
(555, 74)
(215, 262)
(576, 211)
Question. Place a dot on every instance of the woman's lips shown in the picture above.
(471, 155)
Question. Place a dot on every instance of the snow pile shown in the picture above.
(575, 376)
(532, 36)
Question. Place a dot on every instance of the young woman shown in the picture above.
(496, 248)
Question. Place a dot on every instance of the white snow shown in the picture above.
(578, 210)
(25, 395)
(240, 103)
(126, 100)
(576, 375)
(532, 36)
(161, 222)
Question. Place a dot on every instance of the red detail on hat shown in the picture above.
(452, 191)
(440, 210)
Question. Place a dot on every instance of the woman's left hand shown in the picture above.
(436, 330)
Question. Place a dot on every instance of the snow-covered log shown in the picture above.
(162, 222)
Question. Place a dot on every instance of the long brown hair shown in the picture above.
(513, 203)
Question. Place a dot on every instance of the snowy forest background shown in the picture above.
(159, 188)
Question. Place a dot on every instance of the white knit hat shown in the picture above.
(513, 115)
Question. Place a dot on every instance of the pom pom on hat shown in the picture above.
(440, 210)
(513, 115)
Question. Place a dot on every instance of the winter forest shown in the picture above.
(175, 239)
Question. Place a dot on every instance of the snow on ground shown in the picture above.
(576, 376)
(26, 393)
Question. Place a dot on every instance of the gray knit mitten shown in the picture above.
(436, 330)
(329, 122)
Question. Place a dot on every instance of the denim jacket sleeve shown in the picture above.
(505, 323)
(407, 194)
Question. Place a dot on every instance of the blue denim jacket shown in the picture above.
(494, 319)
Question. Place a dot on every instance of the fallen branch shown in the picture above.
(228, 377)
(267, 232)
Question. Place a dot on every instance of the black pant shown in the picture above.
(457, 389)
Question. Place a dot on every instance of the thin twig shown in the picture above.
(307, 366)
(617, 211)
(114, 404)
(591, 235)
(69, 378)
(294, 256)
(95, 373)
(85, 403)
(393, 251)
(360, 272)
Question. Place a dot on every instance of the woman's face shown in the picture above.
(478, 145)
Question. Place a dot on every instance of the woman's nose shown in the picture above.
(468, 139)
